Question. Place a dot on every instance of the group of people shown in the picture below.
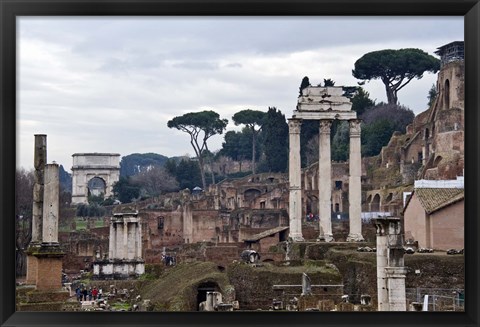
(84, 294)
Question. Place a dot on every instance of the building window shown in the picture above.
(338, 185)
(160, 222)
(447, 94)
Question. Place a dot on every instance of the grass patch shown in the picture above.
(119, 306)
(176, 288)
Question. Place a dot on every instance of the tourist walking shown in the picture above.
(94, 292)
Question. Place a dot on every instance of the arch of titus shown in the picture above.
(324, 104)
(87, 166)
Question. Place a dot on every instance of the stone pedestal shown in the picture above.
(49, 267)
(53, 301)
(391, 272)
(32, 266)
(396, 288)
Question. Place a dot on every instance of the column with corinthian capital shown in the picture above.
(325, 182)
(355, 187)
(295, 175)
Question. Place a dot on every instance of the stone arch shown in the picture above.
(89, 166)
(203, 288)
(312, 204)
(389, 197)
(251, 194)
(437, 161)
(270, 179)
(375, 204)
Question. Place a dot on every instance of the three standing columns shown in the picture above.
(325, 181)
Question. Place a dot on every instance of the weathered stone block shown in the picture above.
(345, 307)
(47, 296)
(326, 305)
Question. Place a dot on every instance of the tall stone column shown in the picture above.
(355, 186)
(49, 255)
(51, 205)
(40, 159)
(325, 182)
(391, 272)
(382, 262)
(295, 176)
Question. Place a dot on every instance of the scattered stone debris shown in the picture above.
(366, 249)
(409, 250)
(250, 256)
(425, 250)
(454, 251)
(214, 302)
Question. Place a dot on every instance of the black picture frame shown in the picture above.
(10, 9)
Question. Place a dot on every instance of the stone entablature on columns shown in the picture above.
(125, 248)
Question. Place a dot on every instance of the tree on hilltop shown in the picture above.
(200, 126)
(251, 119)
(395, 68)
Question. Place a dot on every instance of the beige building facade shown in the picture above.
(435, 218)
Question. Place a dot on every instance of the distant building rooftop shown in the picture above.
(454, 51)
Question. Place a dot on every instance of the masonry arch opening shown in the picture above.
(202, 290)
(96, 187)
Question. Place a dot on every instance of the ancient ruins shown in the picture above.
(391, 272)
(186, 247)
(324, 104)
(124, 258)
(45, 255)
(94, 174)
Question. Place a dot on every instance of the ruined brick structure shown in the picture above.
(234, 210)
(431, 148)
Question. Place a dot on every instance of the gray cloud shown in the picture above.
(111, 84)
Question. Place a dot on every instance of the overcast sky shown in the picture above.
(111, 84)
